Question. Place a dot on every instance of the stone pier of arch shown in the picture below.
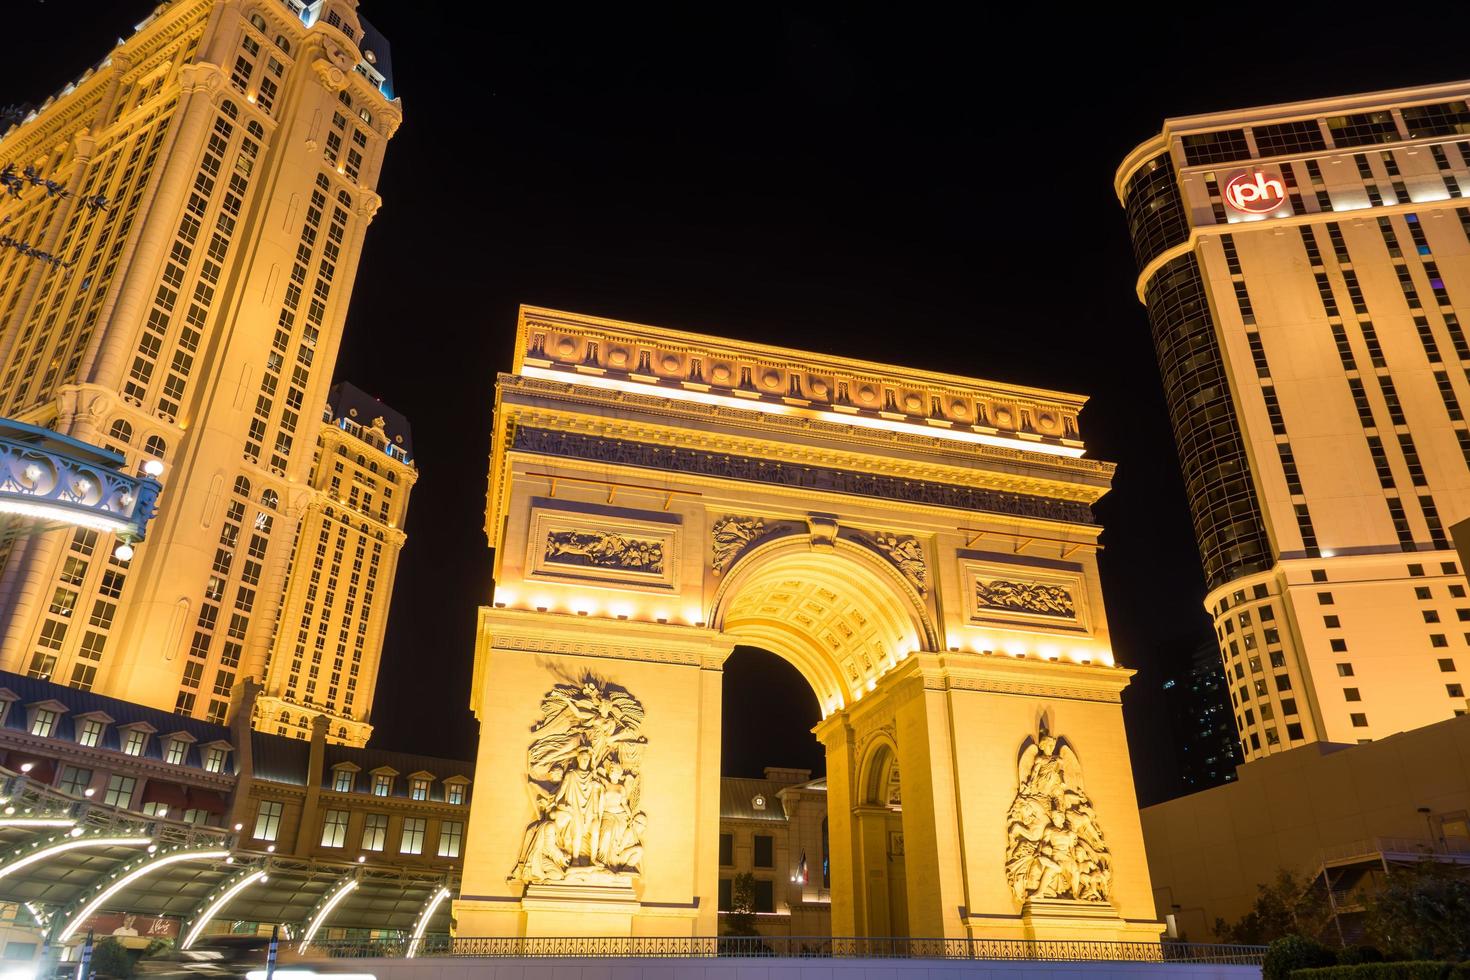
(919, 546)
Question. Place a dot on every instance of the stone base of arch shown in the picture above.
(953, 723)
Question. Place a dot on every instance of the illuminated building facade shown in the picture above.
(1206, 744)
(210, 184)
(919, 546)
(1306, 269)
(335, 609)
(775, 830)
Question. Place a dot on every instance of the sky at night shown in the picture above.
(885, 181)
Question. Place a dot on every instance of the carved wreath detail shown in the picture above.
(1054, 846)
(1030, 597)
(585, 774)
(604, 550)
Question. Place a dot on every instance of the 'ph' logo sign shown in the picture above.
(1255, 192)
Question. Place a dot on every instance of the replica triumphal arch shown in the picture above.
(920, 546)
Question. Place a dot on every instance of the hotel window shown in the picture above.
(451, 838)
(134, 741)
(727, 850)
(1344, 670)
(1446, 665)
(413, 836)
(268, 820)
(43, 722)
(374, 831)
(177, 748)
(342, 781)
(1351, 694)
(382, 784)
(1217, 147)
(1359, 720)
(764, 851)
(765, 895)
(90, 733)
(1288, 706)
(1302, 136)
(74, 780)
(454, 794)
(214, 759)
(1438, 640)
(418, 789)
(1294, 730)
(1339, 645)
(334, 828)
(120, 791)
(1324, 598)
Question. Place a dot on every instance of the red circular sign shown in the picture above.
(1255, 192)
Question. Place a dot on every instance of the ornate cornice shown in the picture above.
(960, 456)
(819, 478)
(665, 643)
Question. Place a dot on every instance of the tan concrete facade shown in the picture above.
(1207, 852)
(236, 148)
(1307, 272)
(919, 546)
(330, 643)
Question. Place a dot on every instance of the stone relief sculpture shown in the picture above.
(584, 773)
(908, 555)
(1028, 597)
(1054, 846)
(731, 535)
(603, 550)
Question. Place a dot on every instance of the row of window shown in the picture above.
(374, 837)
(1309, 135)
(344, 780)
(133, 738)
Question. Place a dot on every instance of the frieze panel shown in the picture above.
(729, 466)
(1024, 595)
(1030, 597)
(599, 549)
(585, 547)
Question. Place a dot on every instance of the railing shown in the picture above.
(816, 947)
(1375, 846)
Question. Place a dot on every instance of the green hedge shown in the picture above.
(1405, 970)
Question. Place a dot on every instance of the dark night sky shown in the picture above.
(878, 180)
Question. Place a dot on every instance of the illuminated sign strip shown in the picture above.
(70, 845)
(326, 910)
(840, 418)
(423, 923)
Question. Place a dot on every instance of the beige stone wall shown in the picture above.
(1208, 852)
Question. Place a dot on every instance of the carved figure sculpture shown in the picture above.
(1054, 845)
(908, 555)
(583, 769)
(603, 550)
(1029, 597)
(731, 535)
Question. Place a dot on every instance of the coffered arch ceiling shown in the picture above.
(838, 614)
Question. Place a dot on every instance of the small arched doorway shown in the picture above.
(882, 904)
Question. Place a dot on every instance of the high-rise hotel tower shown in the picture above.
(211, 181)
(1306, 269)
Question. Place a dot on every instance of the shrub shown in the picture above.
(110, 959)
(1402, 970)
(1353, 955)
(1294, 953)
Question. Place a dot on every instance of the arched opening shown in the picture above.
(878, 832)
(772, 800)
(841, 618)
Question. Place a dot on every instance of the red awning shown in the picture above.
(169, 794)
(42, 770)
(207, 800)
